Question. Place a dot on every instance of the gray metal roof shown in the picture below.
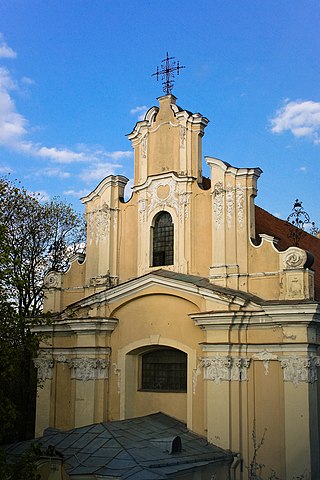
(134, 449)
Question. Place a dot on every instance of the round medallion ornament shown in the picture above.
(51, 280)
(294, 258)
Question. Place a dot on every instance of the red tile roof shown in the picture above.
(270, 225)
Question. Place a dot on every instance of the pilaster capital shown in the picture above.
(85, 369)
(44, 366)
(298, 369)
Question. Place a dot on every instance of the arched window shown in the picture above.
(162, 240)
(164, 369)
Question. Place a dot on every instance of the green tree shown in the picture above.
(35, 237)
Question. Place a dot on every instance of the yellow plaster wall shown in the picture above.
(63, 401)
(154, 317)
(200, 228)
(127, 247)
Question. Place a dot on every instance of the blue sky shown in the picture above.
(75, 76)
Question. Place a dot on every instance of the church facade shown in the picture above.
(190, 301)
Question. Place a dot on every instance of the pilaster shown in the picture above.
(233, 191)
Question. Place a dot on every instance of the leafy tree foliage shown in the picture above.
(35, 237)
(39, 237)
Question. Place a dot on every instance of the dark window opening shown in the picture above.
(162, 240)
(164, 370)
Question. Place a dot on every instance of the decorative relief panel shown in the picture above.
(184, 202)
(230, 204)
(233, 196)
(265, 356)
(218, 203)
(142, 208)
(171, 200)
(300, 369)
(98, 223)
(183, 133)
(117, 371)
(240, 204)
(144, 147)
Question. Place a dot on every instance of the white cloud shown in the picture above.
(13, 126)
(118, 154)
(77, 193)
(52, 172)
(140, 111)
(301, 118)
(15, 132)
(5, 50)
(58, 155)
(99, 170)
(303, 169)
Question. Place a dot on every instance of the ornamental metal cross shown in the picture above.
(167, 73)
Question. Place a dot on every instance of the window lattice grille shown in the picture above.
(162, 240)
(164, 370)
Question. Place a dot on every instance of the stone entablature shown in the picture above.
(225, 368)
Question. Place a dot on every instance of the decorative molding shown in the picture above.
(265, 356)
(52, 280)
(183, 133)
(239, 369)
(98, 223)
(218, 203)
(61, 358)
(240, 204)
(104, 281)
(144, 144)
(117, 372)
(230, 204)
(217, 369)
(115, 217)
(85, 369)
(300, 369)
(184, 202)
(225, 368)
(142, 208)
(170, 201)
(195, 374)
(44, 368)
(90, 227)
(294, 258)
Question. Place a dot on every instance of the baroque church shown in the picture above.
(191, 301)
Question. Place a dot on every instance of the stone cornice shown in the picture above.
(164, 176)
(110, 181)
(255, 172)
(268, 314)
(136, 286)
(293, 312)
(79, 326)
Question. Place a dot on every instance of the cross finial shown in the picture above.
(167, 73)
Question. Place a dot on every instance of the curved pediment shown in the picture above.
(197, 290)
